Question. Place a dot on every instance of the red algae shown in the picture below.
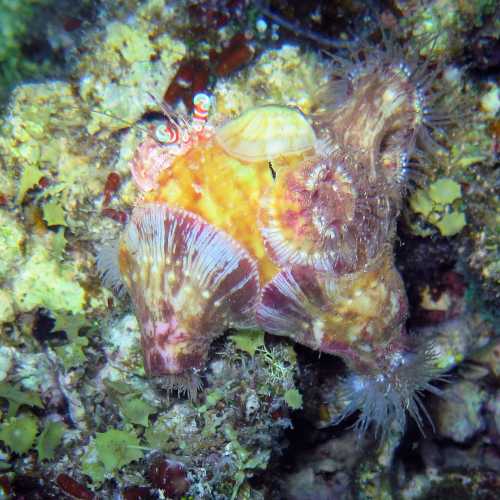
(238, 53)
(193, 75)
(191, 78)
(169, 476)
(116, 215)
(112, 185)
(73, 488)
(138, 493)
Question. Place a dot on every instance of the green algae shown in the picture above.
(29, 179)
(53, 213)
(59, 244)
(421, 203)
(17, 398)
(19, 433)
(451, 223)
(444, 191)
(293, 399)
(436, 205)
(136, 411)
(117, 448)
(49, 439)
(109, 452)
(92, 466)
(72, 354)
(248, 340)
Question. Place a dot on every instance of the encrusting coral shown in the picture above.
(313, 203)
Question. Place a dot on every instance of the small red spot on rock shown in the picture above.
(191, 78)
(454, 282)
(200, 79)
(204, 16)
(71, 23)
(5, 488)
(117, 215)
(169, 476)
(277, 414)
(433, 316)
(44, 182)
(111, 187)
(235, 55)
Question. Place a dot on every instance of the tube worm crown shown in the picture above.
(384, 396)
(188, 282)
(381, 115)
(326, 214)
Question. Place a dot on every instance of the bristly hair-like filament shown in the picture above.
(108, 268)
(384, 397)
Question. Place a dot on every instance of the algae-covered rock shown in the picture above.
(44, 282)
(131, 63)
(445, 22)
(6, 361)
(459, 412)
(17, 22)
(43, 137)
(490, 100)
(11, 239)
(121, 342)
(435, 205)
(287, 74)
(6, 307)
